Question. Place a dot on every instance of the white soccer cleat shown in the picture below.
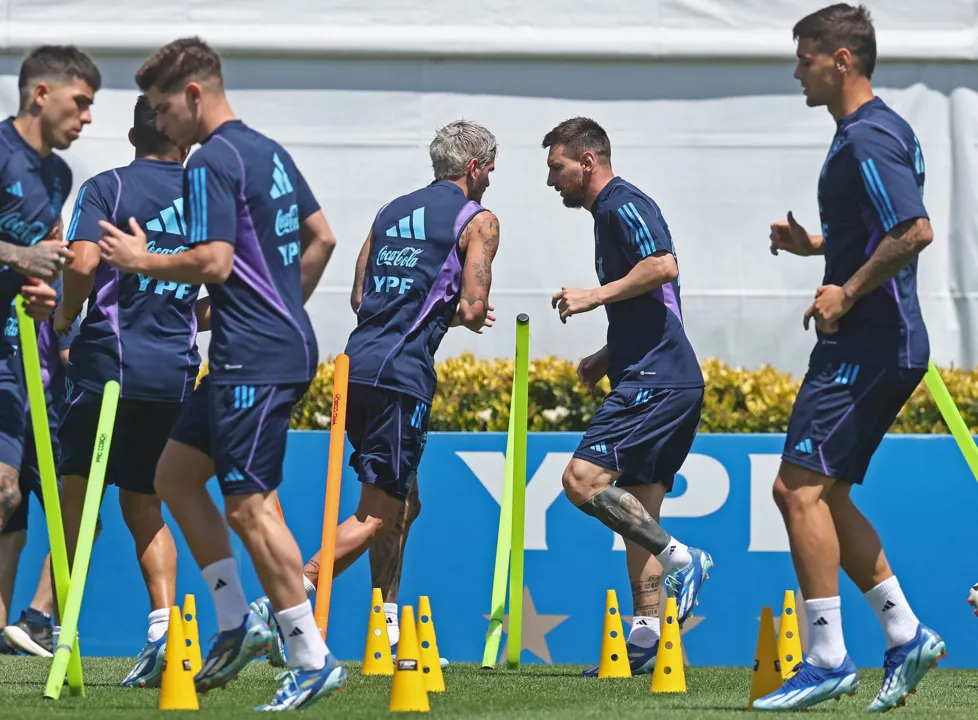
(973, 598)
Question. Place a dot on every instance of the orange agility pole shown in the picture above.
(334, 473)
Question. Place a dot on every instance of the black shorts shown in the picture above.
(244, 429)
(841, 414)
(643, 433)
(141, 430)
(388, 430)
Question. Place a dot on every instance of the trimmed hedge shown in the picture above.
(474, 395)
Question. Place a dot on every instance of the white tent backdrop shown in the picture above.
(697, 96)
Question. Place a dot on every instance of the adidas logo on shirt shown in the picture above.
(16, 189)
(281, 185)
(170, 220)
(410, 227)
(805, 446)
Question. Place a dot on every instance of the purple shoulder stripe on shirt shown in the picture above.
(107, 301)
(190, 346)
(118, 197)
(667, 296)
(468, 211)
(249, 260)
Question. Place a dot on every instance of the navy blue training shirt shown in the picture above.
(411, 289)
(139, 331)
(32, 192)
(646, 340)
(872, 180)
(243, 188)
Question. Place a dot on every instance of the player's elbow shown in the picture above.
(923, 234)
(472, 316)
(217, 270)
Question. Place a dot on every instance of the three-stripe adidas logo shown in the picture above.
(804, 446)
(643, 396)
(420, 411)
(847, 374)
(889, 605)
(244, 397)
(410, 227)
(641, 235)
(170, 219)
(821, 622)
(281, 185)
(234, 476)
(220, 584)
(599, 447)
(16, 189)
(296, 632)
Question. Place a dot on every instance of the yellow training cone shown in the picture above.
(767, 667)
(177, 691)
(669, 674)
(191, 635)
(434, 680)
(614, 654)
(789, 640)
(407, 692)
(377, 653)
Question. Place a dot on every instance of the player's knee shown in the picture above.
(577, 488)
(10, 498)
(792, 501)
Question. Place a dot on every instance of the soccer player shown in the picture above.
(140, 332)
(425, 266)
(870, 354)
(57, 85)
(257, 238)
(33, 633)
(639, 438)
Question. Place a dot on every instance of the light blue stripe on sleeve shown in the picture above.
(203, 203)
(639, 239)
(194, 208)
(886, 198)
(73, 227)
(875, 190)
(648, 233)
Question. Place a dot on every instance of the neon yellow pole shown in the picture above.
(86, 537)
(500, 575)
(49, 480)
(955, 423)
(520, 391)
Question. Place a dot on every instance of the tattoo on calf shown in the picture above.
(623, 513)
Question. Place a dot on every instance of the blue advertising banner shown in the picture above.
(919, 493)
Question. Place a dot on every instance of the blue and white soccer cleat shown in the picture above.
(905, 665)
(973, 598)
(232, 651)
(641, 660)
(685, 584)
(148, 670)
(301, 688)
(262, 607)
(811, 685)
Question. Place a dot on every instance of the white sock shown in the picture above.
(894, 613)
(159, 621)
(305, 645)
(310, 588)
(393, 628)
(826, 646)
(675, 557)
(644, 632)
(229, 598)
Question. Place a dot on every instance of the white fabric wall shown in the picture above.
(697, 96)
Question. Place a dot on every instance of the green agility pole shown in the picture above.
(49, 480)
(953, 419)
(500, 576)
(520, 391)
(86, 537)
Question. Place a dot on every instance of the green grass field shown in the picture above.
(536, 691)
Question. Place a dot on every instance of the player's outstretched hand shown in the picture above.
(592, 368)
(791, 237)
(573, 301)
(122, 250)
(44, 260)
(40, 299)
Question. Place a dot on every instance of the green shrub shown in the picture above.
(474, 395)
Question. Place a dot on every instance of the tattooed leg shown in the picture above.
(9, 492)
(645, 574)
(387, 554)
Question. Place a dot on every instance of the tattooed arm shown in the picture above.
(479, 242)
(356, 295)
(901, 245)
